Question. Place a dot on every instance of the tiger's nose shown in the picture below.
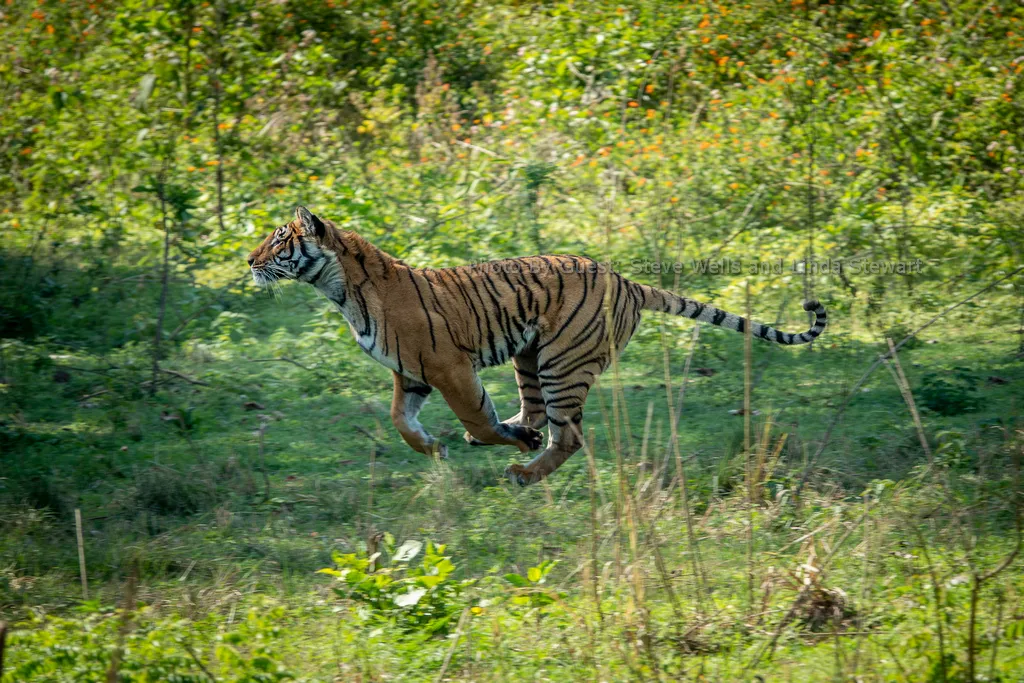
(251, 260)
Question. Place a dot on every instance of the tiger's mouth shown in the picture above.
(267, 274)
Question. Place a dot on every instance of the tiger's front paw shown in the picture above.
(439, 451)
(517, 474)
(531, 438)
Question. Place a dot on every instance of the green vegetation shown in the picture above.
(248, 512)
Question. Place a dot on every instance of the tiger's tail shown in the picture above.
(655, 299)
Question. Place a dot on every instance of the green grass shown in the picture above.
(172, 491)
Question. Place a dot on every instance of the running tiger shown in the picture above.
(436, 328)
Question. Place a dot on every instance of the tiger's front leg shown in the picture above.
(531, 413)
(466, 396)
(406, 403)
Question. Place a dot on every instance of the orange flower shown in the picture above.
(633, 104)
(649, 89)
(734, 186)
(650, 113)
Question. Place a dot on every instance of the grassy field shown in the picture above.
(267, 454)
(249, 513)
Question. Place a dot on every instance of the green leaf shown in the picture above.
(329, 571)
(517, 580)
(534, 575)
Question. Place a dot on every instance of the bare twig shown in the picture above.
(179, 375)
(455, 643)
(908, 397)
(937, 594)
(81, 554)
(195, 658)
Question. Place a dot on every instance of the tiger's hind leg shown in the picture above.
(406, 403)
(465, 394)
(531, 400)
(564, 398)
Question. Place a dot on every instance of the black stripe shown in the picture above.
(316, 278)
(430, 321)
(398, 353)
(572, 315)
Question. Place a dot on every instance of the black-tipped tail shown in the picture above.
(667, 302)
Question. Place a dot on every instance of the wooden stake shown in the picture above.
(81, 554)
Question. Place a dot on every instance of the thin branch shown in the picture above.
(185, 377)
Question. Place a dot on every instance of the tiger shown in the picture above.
(560, 319)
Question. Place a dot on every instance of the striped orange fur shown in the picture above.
(557, 318)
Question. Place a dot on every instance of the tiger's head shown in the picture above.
(292, 252)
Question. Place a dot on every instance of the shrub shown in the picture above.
(950, 392)
(416, 598)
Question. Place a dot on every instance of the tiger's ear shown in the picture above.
(311, 225)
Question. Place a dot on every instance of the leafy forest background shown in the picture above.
(222, 443)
